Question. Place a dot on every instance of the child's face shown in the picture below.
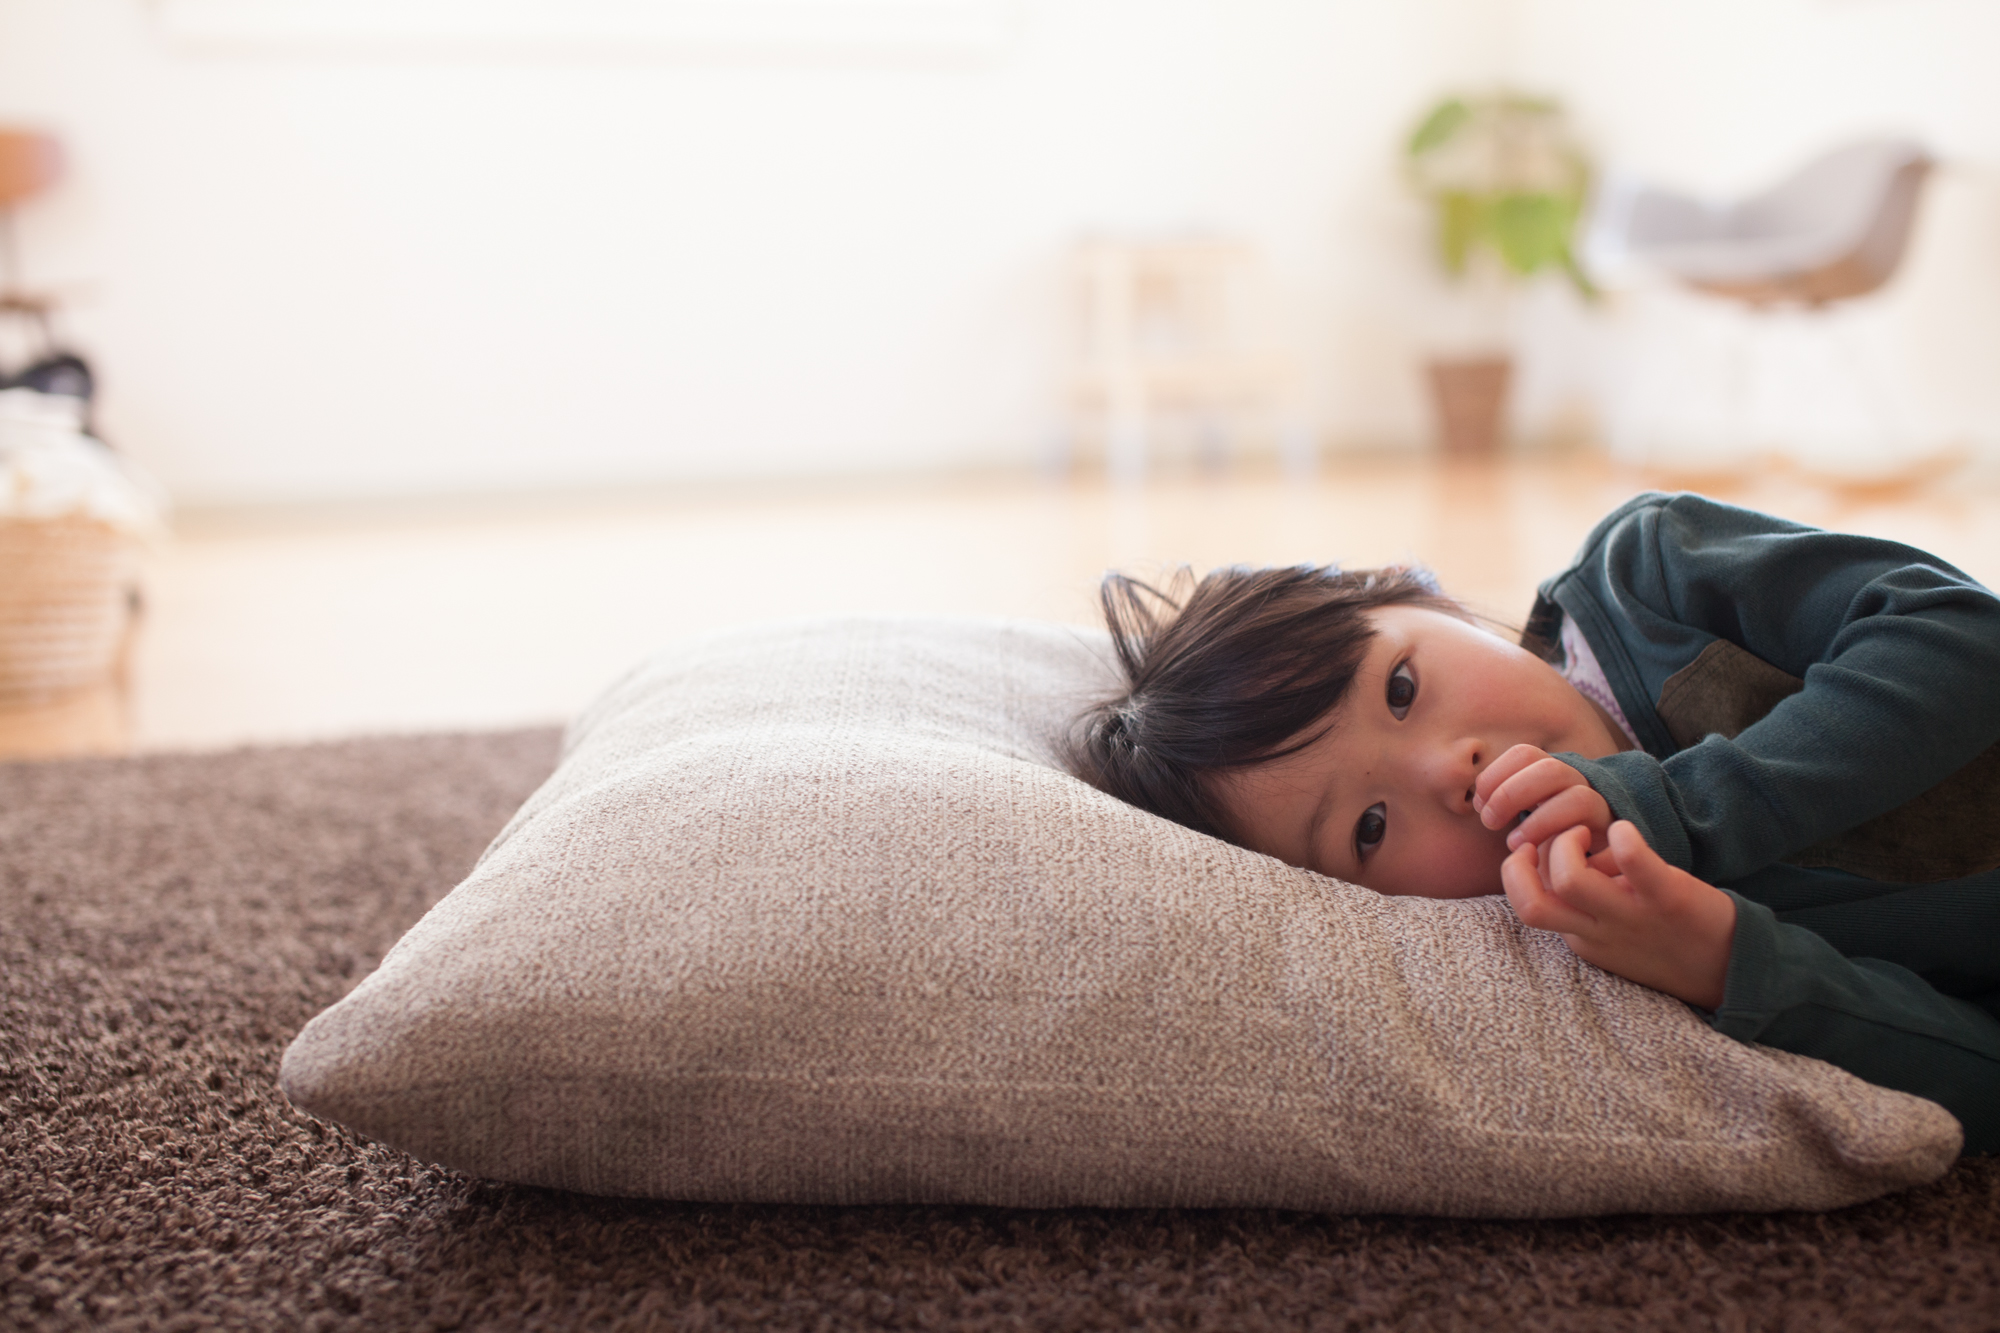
(1384, 798)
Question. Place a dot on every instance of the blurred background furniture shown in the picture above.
(1834, 230)
(30, 162)
(1168, 335)
(69, 613)
(1800, 382)
(70, 523)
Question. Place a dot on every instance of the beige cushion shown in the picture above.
(807, 914)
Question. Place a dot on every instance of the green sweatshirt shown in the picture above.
(1819, 717)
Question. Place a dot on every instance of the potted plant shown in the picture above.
(1507, 183)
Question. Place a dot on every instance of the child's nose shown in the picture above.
(1458, 772)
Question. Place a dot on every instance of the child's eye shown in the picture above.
(1402, 690)
(1370, 829)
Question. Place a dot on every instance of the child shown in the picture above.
(1745, 762)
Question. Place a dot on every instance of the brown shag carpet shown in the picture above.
(167, 924)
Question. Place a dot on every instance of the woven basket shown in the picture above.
(68, 591)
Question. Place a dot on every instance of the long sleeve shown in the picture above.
(1789, 987)
(1899, 654)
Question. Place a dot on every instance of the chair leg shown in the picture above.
(1887, 408)
(1125, 435)
(1212, 439)
(1295, 448)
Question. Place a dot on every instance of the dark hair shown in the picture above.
(1229, 671)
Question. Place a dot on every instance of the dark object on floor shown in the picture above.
(63, 373)
(167, 924)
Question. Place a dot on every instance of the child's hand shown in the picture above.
(1554, 795)
(1627, 911)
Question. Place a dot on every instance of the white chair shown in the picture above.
(1834, 230)
(1795, 377)
(1166, 328)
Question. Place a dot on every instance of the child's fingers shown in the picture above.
(1580, 884)
(1573, 806)
(1689, 925)
(1661, 884)
(1634, 853)
(1645, 870)
(1506, 766)
(1527, 789)
(1520, 876)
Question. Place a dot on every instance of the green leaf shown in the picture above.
(1528, 104)
(1584, 286)
(1531, 231)
(1459, 225)
(1438, 127)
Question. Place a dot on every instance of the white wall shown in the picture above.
(339, 273)
(314, 274)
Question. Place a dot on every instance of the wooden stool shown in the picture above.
(1163, 327)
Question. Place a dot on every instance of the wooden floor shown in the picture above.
(267, 626)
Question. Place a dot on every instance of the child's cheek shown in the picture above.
(1458, 862)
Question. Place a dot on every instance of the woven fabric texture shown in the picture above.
(65, 608)
(807, 914)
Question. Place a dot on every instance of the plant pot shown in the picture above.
(1470, 396)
